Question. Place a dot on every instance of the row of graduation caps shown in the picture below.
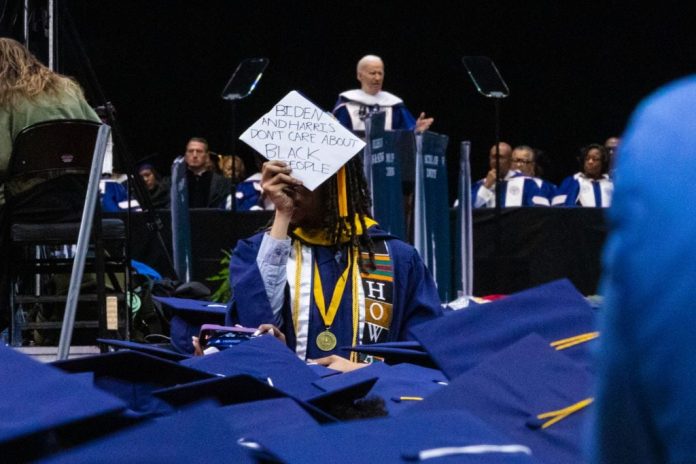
(506, 381)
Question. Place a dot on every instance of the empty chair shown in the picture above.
(46, 191)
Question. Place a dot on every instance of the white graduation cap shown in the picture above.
(313, 143)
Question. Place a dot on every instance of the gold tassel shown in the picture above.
(342, 193)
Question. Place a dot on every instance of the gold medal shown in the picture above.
(326, 341)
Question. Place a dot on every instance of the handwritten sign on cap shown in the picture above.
(311, 141)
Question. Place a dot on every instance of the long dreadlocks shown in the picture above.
(359, 203)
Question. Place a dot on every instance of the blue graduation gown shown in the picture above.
(570, 192)
(415, 297)
(401, 118)
(518, 190)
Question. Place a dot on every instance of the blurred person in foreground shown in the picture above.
(645, 402)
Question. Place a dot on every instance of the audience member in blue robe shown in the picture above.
(249, 195)
(322, 282)
(645, 401)
(518, 189)
(353, 106)
(524, 159)
(112, 193)
(592, 187)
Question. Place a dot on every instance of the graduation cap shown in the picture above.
(399, 385)
(264, 357)
(452, 436)
(243, 388)
(410, 351)
(233, 390)
(197, 434)
(555, 311)
(246, 418)
(147, 348)
(187, 318)
(322, 371)
(535, 394)
(133, 376)
(39, 400)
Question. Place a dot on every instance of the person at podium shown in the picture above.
(353, 106)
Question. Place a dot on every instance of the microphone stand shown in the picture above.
(489, 83)
(242, 83)
(498, 181)
(233, 179)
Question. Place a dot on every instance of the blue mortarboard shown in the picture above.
(133, 376)
(143, 269)
(196, 434)
(409, 351)
(147, 348)
(237, 389)
(38, 398)
(269, 379)
(555, 310)
(270, 360)
(535, 394)
(322, 371)
(144, 166)
(399, 385)
(451, 436)
(263, 357)
(246, 418)
(187, 318)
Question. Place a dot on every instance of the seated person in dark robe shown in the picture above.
(157, 186)
(206, 188)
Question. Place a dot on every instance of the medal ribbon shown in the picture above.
(329, 315)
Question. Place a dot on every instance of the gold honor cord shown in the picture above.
(356, 311)
(572, 341)
(326, 340)
(298, 284)
(559, 415)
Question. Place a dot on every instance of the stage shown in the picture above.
(537, 245)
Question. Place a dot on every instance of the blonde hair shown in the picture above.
(22, 75)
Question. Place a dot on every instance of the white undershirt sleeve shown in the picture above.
(272, 263)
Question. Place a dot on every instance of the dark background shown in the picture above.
(575, 70)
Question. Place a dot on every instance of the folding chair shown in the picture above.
(45, 231)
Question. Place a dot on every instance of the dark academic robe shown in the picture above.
(415, 297)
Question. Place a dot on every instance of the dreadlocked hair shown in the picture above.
(359, 204)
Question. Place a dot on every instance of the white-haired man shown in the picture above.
(354, 106)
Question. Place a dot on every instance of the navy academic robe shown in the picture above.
(415, 297)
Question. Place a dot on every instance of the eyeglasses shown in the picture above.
(522, 161)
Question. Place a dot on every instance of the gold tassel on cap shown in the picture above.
(342, 193)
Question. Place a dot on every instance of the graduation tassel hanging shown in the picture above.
(342, 193)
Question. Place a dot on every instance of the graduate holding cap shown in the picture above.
(325, 276)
